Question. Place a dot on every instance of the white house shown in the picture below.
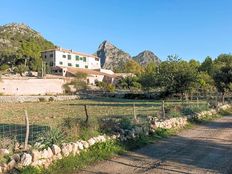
(69, 58)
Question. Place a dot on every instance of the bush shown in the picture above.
(67, 88)
(4, 67)
(50, 137)
(108, 87)
(76, 128)
(51, 99)
(126, 123)
(189, 110)
(42, 99)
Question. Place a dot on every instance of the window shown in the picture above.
(80, 58)
(96, 59)
(77, 65)
(86, 66)
(69, 57)
(64, 56)
(69, 64)
(51, 55)
(77, 58)
(61, 63)
(84, 59)
(51, 63)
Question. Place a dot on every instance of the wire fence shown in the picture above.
(47, 115)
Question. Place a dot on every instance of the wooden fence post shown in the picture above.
(163, 109)
(134, 113)
(86, 114)
(217, 109)
(27, 130)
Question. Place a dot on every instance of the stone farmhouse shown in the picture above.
(64, 65)
(67, 63)
(69, 58)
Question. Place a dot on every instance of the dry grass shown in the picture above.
(52, 114)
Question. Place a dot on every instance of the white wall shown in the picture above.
(31, 86)
(58, 57)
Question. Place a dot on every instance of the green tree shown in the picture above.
(223, 80)
(205, 83)
(129, 82)
(148, 78)
(132, 67)
(207, 66)
(194, 64)
(177, 77)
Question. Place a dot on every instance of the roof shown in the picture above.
(70, 52)
(74, 70)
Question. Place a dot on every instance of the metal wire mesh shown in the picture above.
(46, 115)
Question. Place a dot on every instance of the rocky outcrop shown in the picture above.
(112, 57)
(146, 57)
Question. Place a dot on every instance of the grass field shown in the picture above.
(52, 114)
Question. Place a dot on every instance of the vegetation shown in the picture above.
(107, 87)
(184, 78)
(23, 46)
(50, 137)
(78, 83)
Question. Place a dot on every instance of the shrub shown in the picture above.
(76, 128)
(189, 110)
(126, 123)
(42, 99)
(51, 99)
(67, 88)
(7, 143)
(50, 137)
(4, 67)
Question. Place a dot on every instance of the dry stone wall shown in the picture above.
(46, 156)
(21, 99)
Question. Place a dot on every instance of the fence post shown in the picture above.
(217, 109)
(134, 113)
(27, 130)
(86, 114)
(163, 109)
(197, 102)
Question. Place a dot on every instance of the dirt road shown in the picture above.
(203, 149)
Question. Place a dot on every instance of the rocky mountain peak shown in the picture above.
(18, 28)
(146, 57)
(111, 57)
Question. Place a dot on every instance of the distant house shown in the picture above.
(69, 58)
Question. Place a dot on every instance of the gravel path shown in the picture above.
(203, 149)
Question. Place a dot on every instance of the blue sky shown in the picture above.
(188, 28)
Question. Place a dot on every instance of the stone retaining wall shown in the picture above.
(47, 156)
(21, 99)
(182, 121)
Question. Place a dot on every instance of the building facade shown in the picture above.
(69, 58)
